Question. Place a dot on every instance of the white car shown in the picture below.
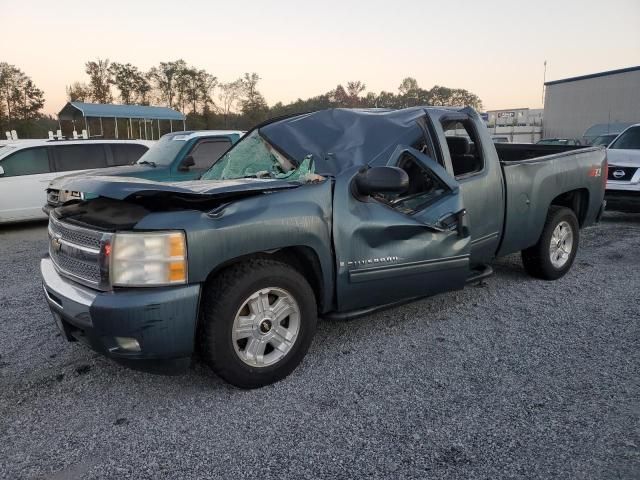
(27, 167)
(623, 180)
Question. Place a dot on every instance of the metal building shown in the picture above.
(573, 105)
(124, 121)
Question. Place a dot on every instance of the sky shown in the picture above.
(496, 49)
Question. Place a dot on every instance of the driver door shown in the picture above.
(395, 247)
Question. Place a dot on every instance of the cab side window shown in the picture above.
(207, 152)
(424, 187)
(79, 157)
(30, 161)
(464, 147)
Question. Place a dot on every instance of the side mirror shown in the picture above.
(381, 180)
(1, 171)
(186, 164)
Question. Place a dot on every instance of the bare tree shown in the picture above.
(229, 96)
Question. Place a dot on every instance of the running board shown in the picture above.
(361, 312)
(480, 273)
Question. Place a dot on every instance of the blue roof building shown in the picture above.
(147, 118)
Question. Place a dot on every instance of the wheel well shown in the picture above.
(576, 200)
(303, 259)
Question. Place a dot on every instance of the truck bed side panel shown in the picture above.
(532, 186)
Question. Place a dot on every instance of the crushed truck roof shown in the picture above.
(342, 138)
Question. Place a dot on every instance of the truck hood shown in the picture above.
(124, 170)
(623, 158)
(122, 188)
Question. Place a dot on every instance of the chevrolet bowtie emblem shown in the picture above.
(56, 244)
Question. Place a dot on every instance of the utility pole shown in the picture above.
(544, 80)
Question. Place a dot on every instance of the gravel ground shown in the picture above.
(513, 378)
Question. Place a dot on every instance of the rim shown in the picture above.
(266, 327)
(561, 244)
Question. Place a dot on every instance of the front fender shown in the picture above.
(298, 217)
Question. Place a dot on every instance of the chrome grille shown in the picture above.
(621, 174)
(76, 235)
(75, 251)
(89, 271)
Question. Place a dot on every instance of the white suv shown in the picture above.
(623, 180)
(27, 167)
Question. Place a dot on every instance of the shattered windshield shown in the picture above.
(255, 157)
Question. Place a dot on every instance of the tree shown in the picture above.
(408, 86)
(29, 100)
(130, 82)
(9, 79)
(142, 89)
(166, 77)
(229, 95)
(78, 92)
(204, 87)
(99, 80)
(253, 106)
(339, 97)
(19, 98)
(354, 89)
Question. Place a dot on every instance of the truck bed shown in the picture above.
(514, 152)
(531, 185)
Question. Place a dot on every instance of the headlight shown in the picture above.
(68, 195)
(148, 259)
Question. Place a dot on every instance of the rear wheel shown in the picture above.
(258, 321)
(556, 249)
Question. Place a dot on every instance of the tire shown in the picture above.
(542, 260)
(242, 339)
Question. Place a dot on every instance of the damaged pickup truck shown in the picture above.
(334, 213)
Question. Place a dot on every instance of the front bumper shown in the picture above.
(162, 320)
(623, 200)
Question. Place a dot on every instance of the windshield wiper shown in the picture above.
(147, 162)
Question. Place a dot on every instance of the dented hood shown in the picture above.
(122, 188)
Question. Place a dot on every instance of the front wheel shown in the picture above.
(258, 320)
(553, 255)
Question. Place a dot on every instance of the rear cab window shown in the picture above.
(464, 147)
(206, 152)
(28, 161)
